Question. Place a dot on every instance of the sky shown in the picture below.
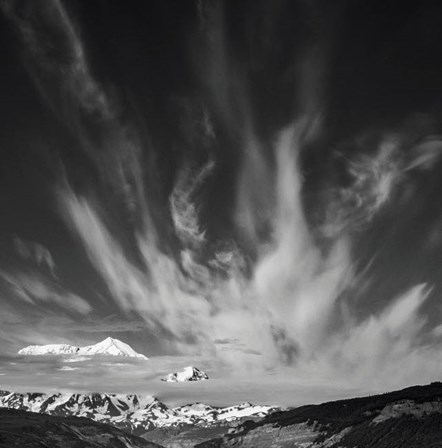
(251, 185)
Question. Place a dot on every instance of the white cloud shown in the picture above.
(34, 289)
(35, 252)
(426, 153)
(373, 179)
(255, 197)
(58, 65)
(384, 349)
(126, 283)
(67, 368)
(38, 27)
(183, 206)
(158, 291)
(375, 176)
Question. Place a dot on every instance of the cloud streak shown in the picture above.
(35, 252)
(182, 204)
(132, 287)
(374, 175)
(58, 65)
(34, 290)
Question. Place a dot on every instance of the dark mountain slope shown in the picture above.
(30, 430)
(409, 418)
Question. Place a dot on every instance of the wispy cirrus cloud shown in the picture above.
(373, 178)
(388, 341)
(374, 174)
(134, 288)
(58, 65)
(425, 153)
(64, 65)
(125, 281)
(183, 206)
(34, 252)
(34, 289)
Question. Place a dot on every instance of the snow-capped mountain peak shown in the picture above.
(107, 347)
(189, 373)
(50, 349)
(110, 346)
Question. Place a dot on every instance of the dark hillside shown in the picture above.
(30, 430)
(408, 418)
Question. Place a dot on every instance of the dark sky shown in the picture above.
(258, 182)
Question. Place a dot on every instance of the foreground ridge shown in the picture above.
(31, 430)
(408, 418)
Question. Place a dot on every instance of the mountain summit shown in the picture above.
(107, 347)
(110, 346)
(189, 373)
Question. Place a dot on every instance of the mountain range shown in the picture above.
(107, 347)
(134, 413)
(408, 418)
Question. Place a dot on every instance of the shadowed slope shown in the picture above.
(411, 417)
(28, 430)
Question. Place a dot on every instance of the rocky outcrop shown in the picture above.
(408, 407)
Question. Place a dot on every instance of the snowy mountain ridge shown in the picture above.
(107, 347)
(136, 413)
(189, 373)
